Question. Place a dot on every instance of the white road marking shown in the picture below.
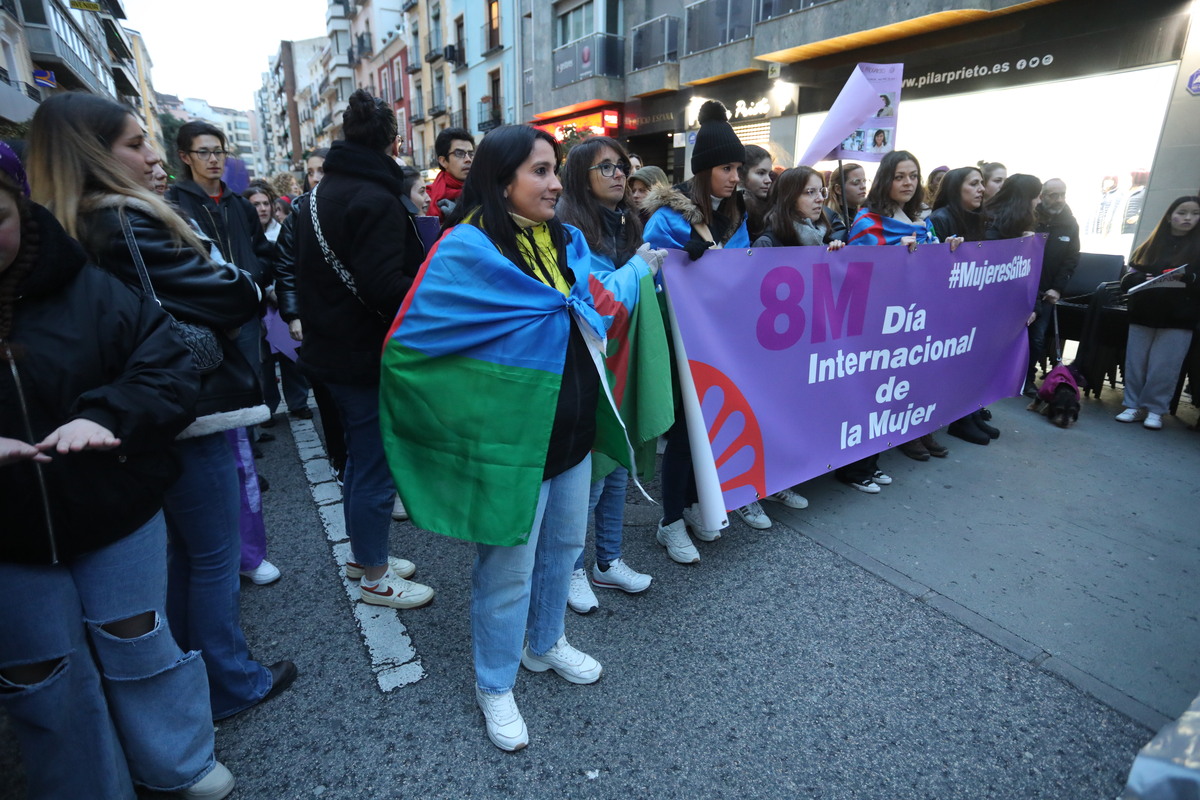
(393, 658)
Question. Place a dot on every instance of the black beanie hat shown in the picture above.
(716, 143)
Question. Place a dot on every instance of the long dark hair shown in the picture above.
(967, 223)
(579, 207)
(782, 216)
(497, 159)
(1154, 250)
(1010, 210)
(879, 199)
(836, 202)
(756, 210)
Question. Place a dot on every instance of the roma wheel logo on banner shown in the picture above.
(709, 379)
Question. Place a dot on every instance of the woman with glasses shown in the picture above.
(503, 306)
(593, 200)
(841, 209)
(89, 164)
(796, 215)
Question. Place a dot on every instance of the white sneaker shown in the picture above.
(580, 596)
(401, 566)
(217, 784)
(399, 512)
(679, 547)
(1130, 415)
(789, 498)
(1153, 422)
(619, 575)
(395, 592)
(264, 573)
(505, 725)
(691, 516)
(882, 478)
(754, 516)
(572, 665)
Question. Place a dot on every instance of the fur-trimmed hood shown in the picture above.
(672, 198)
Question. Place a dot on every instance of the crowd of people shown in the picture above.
(138, 383)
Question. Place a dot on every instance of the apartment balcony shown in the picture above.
(10, 7)
(437, 110)
(655, 63)
(116, 38)
(125, 78)
(18, 100)
(489, 40)
(416, 112)
(341, 72)
(414, 66)
(717, 34)
(491, 114)
(326, 122)
(48, 49)
(433, 48)
(408, 5)
(337, 9)
(364, 47)
(456, 54)
(458, 119)
(326, 87)
(598, 55)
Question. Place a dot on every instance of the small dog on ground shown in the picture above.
(1058, 396)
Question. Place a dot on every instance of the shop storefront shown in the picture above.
(600, 122)
(1049, 92)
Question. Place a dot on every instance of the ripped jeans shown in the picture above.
(112, 712)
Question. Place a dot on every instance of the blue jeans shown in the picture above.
(203, 588)
(607, 501)
(523, 589)
(368, 490)
(112, 712)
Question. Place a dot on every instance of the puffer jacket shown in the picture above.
(674, 217)
(87, 347)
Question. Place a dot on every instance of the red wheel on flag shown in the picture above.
(708, 377)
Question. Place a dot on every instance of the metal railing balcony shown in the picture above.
(589, 57)
(712, 23)
(657, 42)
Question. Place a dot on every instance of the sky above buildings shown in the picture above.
(217, 50)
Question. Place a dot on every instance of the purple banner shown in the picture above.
(805, 360)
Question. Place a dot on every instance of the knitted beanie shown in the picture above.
(716, 143)
(10, 164)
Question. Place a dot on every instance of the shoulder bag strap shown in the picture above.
(330, 257)
(131, 243)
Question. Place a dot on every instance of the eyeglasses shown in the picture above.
(205, 155)
(820, 192)
(608, 169)
(463, 155)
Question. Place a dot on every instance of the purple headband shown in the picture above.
(11, 165)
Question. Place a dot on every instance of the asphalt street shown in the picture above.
(1012, 621)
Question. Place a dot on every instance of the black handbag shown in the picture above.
(207, 352)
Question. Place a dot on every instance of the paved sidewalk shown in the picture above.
(779, 666)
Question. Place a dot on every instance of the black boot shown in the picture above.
(968, 431)
(980, 417)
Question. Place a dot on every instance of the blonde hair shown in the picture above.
(71, 165)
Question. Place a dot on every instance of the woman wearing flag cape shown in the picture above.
(492, 401)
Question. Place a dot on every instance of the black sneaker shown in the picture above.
(866, 485)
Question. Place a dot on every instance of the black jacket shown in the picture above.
(190, 286)
(369, 223)
(87, 347)
(285, 261)
(232, 223)
(1171, 306)
(1062, 249)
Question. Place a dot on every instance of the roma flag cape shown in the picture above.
(876, 229)
(470, 377)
